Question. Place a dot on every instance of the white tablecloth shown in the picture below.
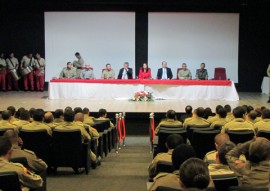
(265, 85)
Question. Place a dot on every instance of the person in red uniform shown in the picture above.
(145, 72)
(28, 61)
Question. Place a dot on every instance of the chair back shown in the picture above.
(165, 131)
(164, 166)
(240, 188)
(218, 127)
(220, 74)
(223, 182)
(203, 141)
(9, 181)
(178, 69)
(265, 134)
(240, 136)
(191, 128)
(163, 188)
(37, 141)
(21, 160)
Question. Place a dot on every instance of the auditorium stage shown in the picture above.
(40, 100)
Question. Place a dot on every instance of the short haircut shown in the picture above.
(6, 115)
(18, 112)
(25, 115)
(69, 115)
(200, 112)
(223, 150)
(38, 114)
(5, 145)
(86, 110)
(78, 110)
(221, 138)
(68, 108)
(171, 114)
(228, 108)
(12, 110)
(102, 112)
(188, 109)
(180, 154)
(266, 114)
(250, 108)
(58, 113)
(77, 54)
(222, 113)
(239, 112)
(207, 112)
(194, 174)
(31, 111)
(259, 150)
(174, 140)
(107, 64)
(245, 107)
(126, 63)
(218, 107)
(69, 63)
(48, 117)
(12, 136)
(252, 115)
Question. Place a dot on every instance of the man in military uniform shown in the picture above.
(58, 116)
(172, 142)
(38, 124)
(108, 72)
(39, 72)
(229, 112)
(201, 74)
(49, 120)
(27, 178)
(89, 120)
(251, 117)
(12, 110)
(68, 72)
(184, 73)
(87, 73)
(78, 64)
(169, 121)
(196, 119)
(5, 123)
(239, 123)
(12, 64)
(222, 113)
(2, 72)
(28, 62)
(102, 113)
(24, 119)
(211, 119)
(264, 124)
(35, 164)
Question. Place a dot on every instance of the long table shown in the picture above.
(125, 89)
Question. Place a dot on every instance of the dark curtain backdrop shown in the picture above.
(22, 27)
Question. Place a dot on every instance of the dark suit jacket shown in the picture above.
(169, 73)
(129, 73)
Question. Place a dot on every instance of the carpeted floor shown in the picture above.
(125, 171)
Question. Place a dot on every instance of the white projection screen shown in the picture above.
(193, 38)
(100, 38)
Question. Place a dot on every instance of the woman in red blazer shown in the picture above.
(145, 72)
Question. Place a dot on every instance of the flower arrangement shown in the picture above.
(143, 96)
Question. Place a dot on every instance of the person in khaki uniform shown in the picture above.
(221, 166)
(184, 73)
(172, 142)
(3, 66)
(78, 64)
(251, 117)
(102, 113)
(24, 119)
(12, 110)
(264, 124)
(68, 72)
(58, 116)
(38, 124)
(196, 119)
(239, 122)
(39, 72)
(28, 62)
(35, 164)
(211, 119)
(108, 72)
(87, 118)
(49, 120)
(229, 116)
(12, 64)
(179, 156)
(169, 121)
(26, 177)
(5, 123)
(222, 113)
(255, 172)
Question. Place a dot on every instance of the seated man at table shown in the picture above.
(184, 73)
(164, 73)
(87, 73)
(126, 72)
(108, 72)
(201, 74)
(68, 72)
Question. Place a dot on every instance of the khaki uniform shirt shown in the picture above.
(211, 156)
(170, 180)
(254, 175)
(108, 74)
(184, 74)
(40, 66)
(73, 126)
(168, 122)
(87, 74)
(12, 63)
(236, 125)
(78, 64)
(219, 169)
(263, 125)
(36, 125)
(211, 119)
(52, 125)
(198, 121)
(229, 117)
(26, 178)
(160, 157)
(27, 62)
(4, 124)
(58, 121)
(219, 121)
(68, 73)
(35, 164)
(3, 65)
(20, 123)
(88, 119)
